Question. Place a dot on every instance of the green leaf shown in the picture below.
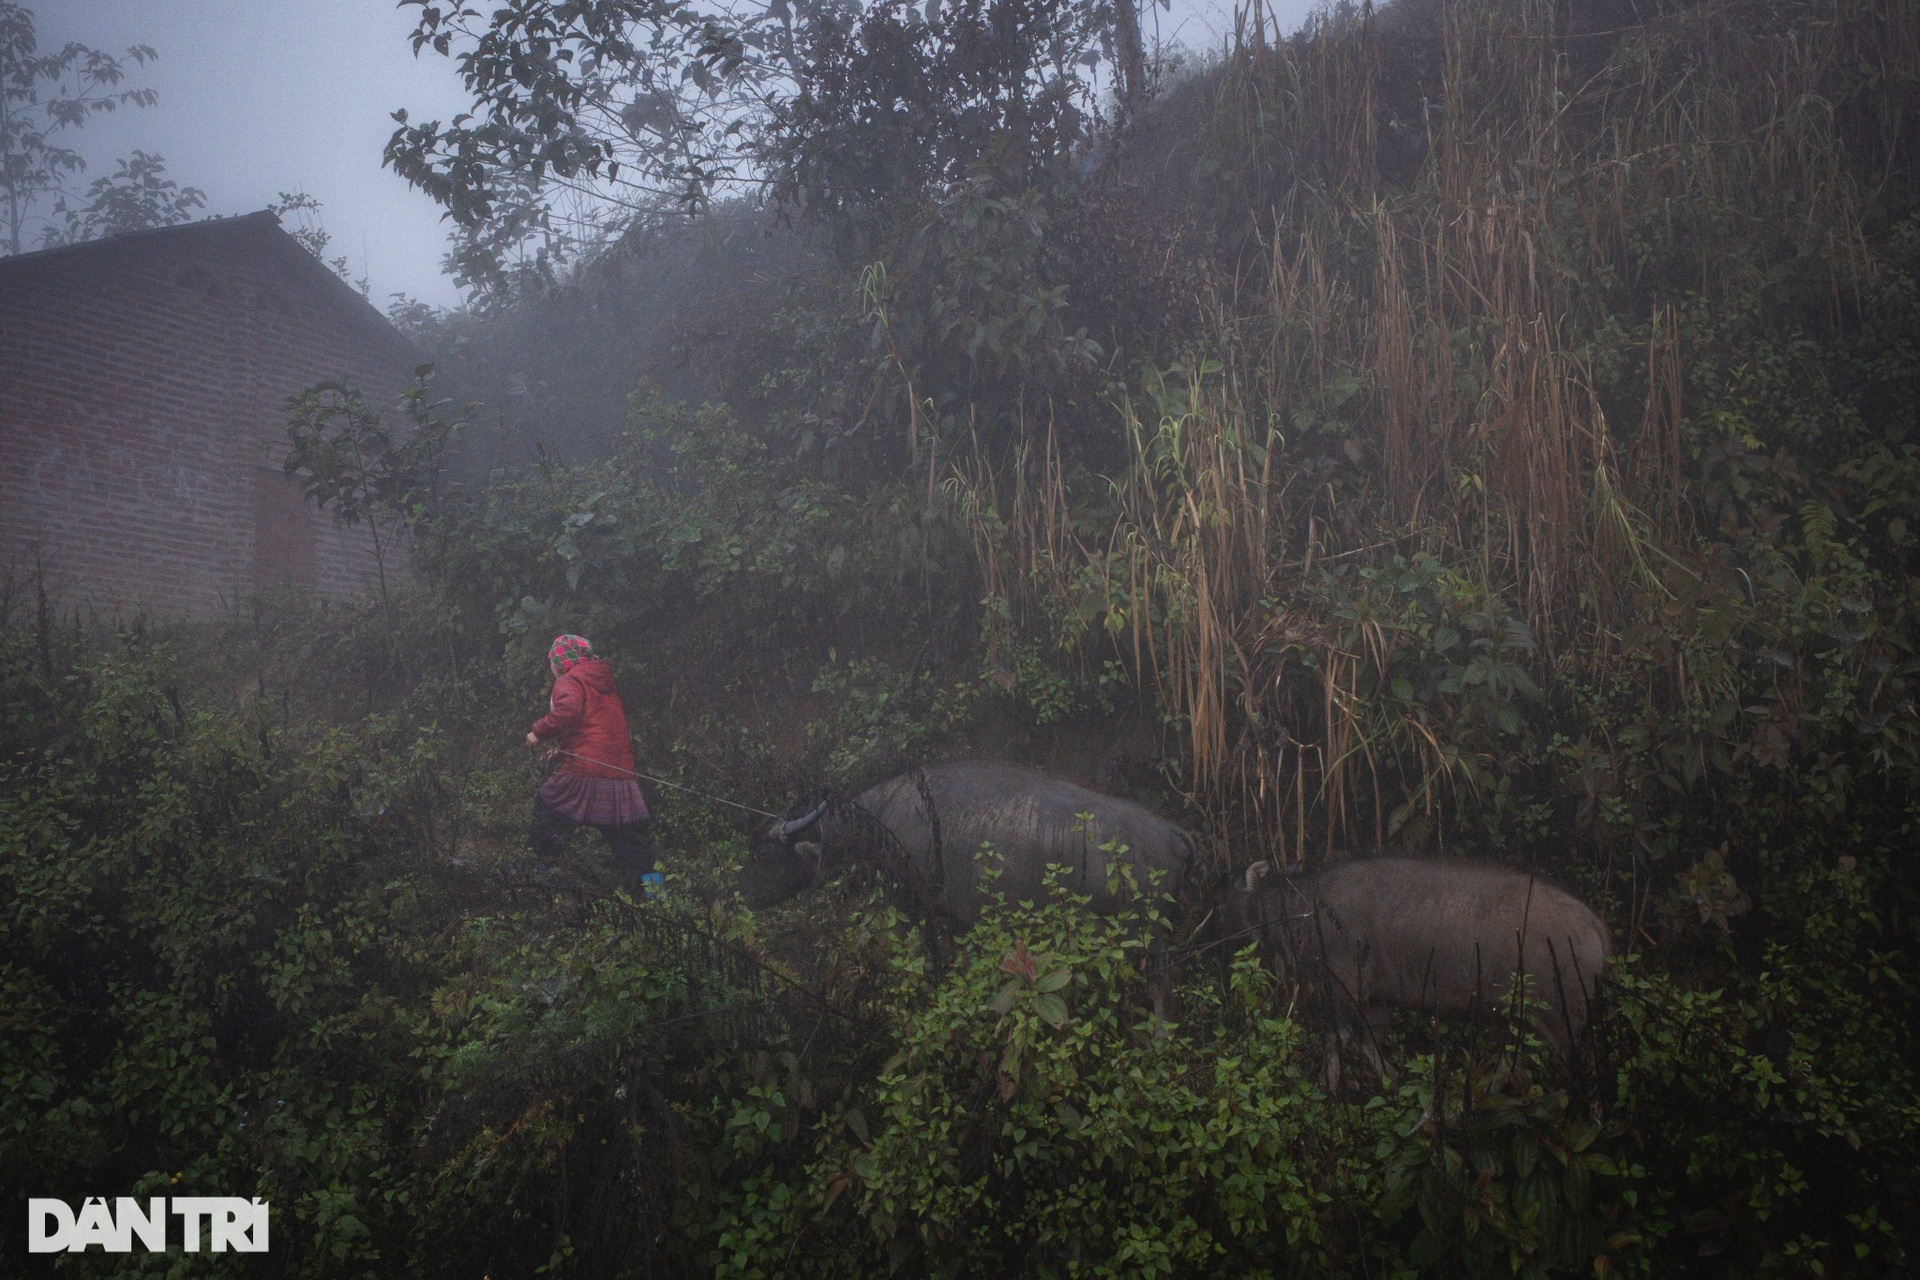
(1054, 981)
(1052, 1009)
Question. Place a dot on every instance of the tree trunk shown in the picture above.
(1131, 53)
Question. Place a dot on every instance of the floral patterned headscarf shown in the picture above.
(567, 651)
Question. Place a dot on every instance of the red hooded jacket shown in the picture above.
(588, 720)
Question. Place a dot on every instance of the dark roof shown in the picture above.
(262, 228)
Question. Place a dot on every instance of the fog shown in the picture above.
(263, 96)
(259, 97)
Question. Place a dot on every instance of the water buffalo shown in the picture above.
(926, 826)
(1443, 937)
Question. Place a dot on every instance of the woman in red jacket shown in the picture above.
(594, 784)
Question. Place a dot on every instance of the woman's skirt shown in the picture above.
(595, 802)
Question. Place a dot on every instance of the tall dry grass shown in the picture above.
(1570, 178)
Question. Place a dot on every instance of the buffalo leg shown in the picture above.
(1361, 1028)
(1375, 1018)
(1160, 992)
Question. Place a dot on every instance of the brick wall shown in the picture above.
(142, 381)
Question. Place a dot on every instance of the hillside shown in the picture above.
(1459, 429)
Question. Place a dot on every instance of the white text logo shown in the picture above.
(232, 1223)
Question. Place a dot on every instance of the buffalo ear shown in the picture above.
(808, 849)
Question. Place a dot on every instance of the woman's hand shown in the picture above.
(533, 739)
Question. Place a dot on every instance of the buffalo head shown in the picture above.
(779, 863)
(1257, 907)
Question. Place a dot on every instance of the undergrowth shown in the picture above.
(1512, 455)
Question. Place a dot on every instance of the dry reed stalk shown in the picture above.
(1658, 463)
(1491, 448)
(1400, 380)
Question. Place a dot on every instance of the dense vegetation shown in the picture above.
(1464, 429)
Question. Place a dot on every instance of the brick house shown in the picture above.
(142, 385)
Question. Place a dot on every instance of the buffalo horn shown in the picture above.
(1254, 873)
(788, 830)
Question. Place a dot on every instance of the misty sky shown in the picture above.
(263, 96)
